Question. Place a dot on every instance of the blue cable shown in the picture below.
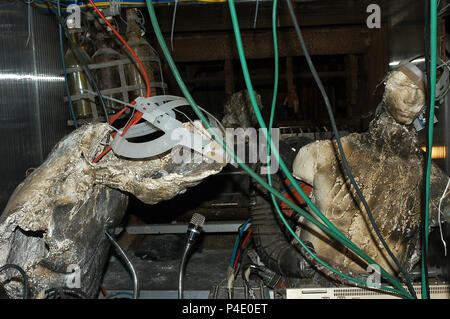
(120, 293)
(75, 123)
(236, 244)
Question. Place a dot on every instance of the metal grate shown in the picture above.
(123, 89)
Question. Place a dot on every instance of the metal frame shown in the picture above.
(212, 227)
(123, 89)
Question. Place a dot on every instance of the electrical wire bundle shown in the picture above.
(238, 251)
(239, 244)
(136, 115)
(326, 226)
(81, 56)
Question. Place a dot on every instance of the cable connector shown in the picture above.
(195, 228)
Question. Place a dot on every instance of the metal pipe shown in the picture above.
(128, 263)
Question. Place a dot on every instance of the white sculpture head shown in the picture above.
(404, 97)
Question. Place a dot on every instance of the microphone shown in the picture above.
(193, 233)
(195, 228)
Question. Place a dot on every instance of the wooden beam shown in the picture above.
(212, 46)
(216, 16)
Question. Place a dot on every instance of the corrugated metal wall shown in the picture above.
(33, 116)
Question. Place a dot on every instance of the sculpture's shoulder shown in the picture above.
(311, 157)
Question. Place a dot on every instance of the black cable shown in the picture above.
(24, 277)
(82, 58)
(341, 149)
(54, 293)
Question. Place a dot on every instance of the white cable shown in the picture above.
(439, 217)
(129, 119)
(140, 21)
(114, 7)
(215, 119)
(442, 11)
(256, 14)
(442, 64)
(29, 21)
(113, 128)
(173, 23)
(117, 101)
(162, 78)
(108, 98)
(189, 119)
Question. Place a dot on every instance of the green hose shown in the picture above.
(432, 88)
(332, 232)
(269, 178)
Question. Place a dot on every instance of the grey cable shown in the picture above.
(181, 271)
(173, 23)
(128, 263)
(256, 14)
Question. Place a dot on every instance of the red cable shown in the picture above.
(242, 247)
(116, 116)
(138, 115)
(103, 291)
(147, 82)
(136, 118)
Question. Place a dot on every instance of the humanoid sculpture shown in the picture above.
(387, 163)
(56, 219)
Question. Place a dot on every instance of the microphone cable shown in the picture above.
(193, 233)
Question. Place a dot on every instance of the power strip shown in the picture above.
(436, 292)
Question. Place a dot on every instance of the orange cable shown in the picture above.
(138, 115)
